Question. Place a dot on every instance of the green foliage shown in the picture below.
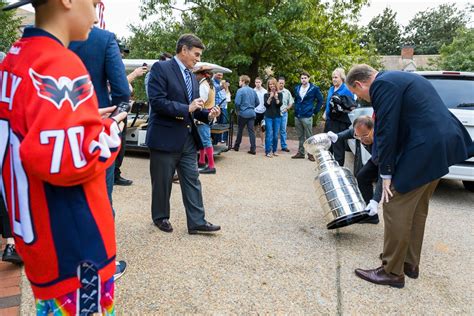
(385, 33)
(459, 55)
(431, 29)
(9, 25)
(249, 37)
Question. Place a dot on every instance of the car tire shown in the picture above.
(469, 185)
(357, 158)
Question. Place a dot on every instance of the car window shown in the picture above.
(456, 93)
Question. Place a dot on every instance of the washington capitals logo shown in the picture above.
(77, 91)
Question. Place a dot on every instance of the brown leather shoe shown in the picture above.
(298, 156)
(411, 271)
(310, 157)
(379, 276)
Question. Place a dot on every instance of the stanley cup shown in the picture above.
(336, 187)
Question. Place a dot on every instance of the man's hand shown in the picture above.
(105, 113)
(333, 137)
(386, 193)
(214, 112)
(197, 104)
(372, 207)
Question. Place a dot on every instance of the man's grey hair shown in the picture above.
(364, 120)
(341, 73)
(360, 73)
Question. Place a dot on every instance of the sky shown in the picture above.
(120, 13)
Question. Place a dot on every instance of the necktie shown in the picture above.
(189, 86)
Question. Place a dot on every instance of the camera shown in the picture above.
(122, 107)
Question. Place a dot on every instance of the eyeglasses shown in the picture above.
(360, 137)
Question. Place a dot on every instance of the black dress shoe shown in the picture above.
(208, 170)
(379, 276)
(122, 181)
(10, 255)
(252, 152)
(206, 228)
(285, 150)
(370, 220)
(235, 148)
(164, 225)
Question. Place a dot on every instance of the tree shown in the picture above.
(459, 55)
(9, 25)
(435, 27)
(385, 32)
(250, 36)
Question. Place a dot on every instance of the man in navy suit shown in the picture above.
(417, 140)
(172, 136)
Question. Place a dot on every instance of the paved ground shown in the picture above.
(274, 253)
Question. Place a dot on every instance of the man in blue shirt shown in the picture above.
(246, 100)
(306, 94)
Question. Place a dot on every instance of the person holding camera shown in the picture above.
(337, 120)
(273, 101)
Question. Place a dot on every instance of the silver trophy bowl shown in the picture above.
(336, 187)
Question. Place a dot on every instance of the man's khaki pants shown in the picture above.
(404, 218)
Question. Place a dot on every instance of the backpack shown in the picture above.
(340, 105)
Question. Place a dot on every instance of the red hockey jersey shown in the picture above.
(54, 150)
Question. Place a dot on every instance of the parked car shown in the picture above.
(456, 89)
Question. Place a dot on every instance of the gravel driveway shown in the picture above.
(274, 254)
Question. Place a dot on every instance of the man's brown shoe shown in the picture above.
(379, 276)
(411, 271)
(310, 157)
(298, 156)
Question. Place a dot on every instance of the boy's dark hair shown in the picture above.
(165, 56)
(190, 41)
(281, 78)
(304, 73)
(258, 78)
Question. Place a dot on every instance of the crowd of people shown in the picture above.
(62, 110)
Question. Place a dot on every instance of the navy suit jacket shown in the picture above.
(101, 56)
(418, 138)
(170, 121)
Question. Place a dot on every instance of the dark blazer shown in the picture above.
(418, 138)
(170, 120)
(101, 56)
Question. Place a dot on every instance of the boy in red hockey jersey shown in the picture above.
(54, 149)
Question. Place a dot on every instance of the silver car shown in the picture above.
(456, 89)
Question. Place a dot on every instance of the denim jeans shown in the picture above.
(223, 119)
(284, 123)
(272, 129)
(204, 131)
